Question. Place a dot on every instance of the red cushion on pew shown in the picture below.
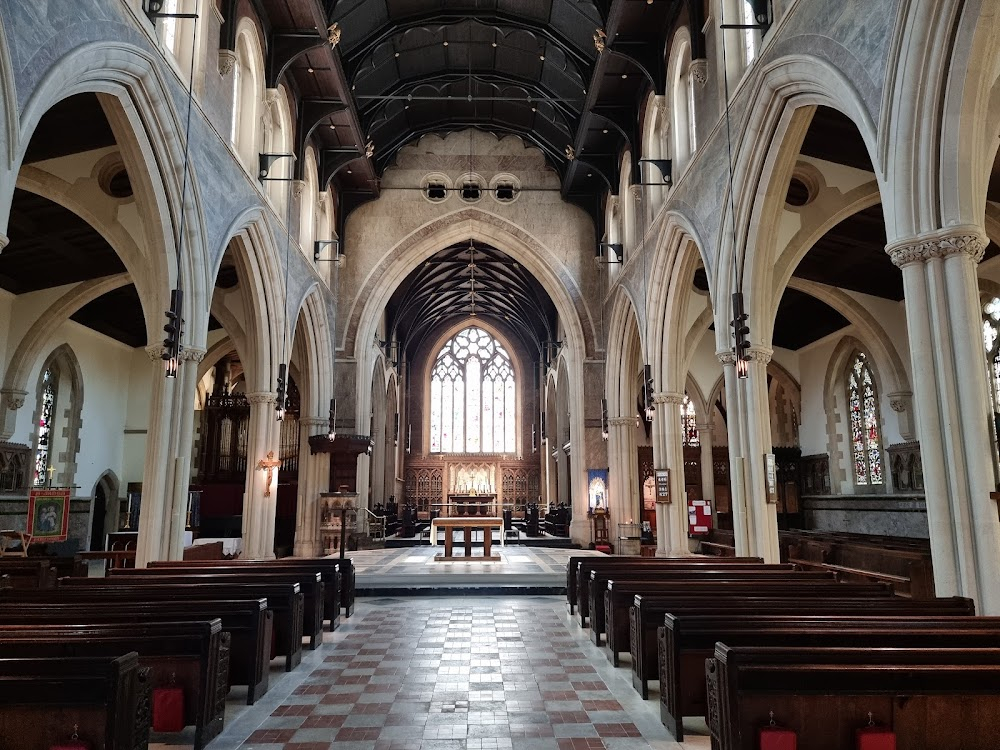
(876, 738)
(777, 738)
(168, 709)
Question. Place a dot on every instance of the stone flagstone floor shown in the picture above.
(471, 673)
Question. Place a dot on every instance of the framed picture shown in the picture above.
(597, 490)
(662, 485)
(48, 515)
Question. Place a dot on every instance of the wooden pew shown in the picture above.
(578, 571)
(620, 596)
(194, 653)
(685, 641)
(248, 622)
(310, 584)
(592, 600)
(331, 575)
(28, 572)
(108, 699)
(325, 565)
(940, 699)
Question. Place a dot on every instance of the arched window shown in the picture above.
(681, 92)
(247, 92)
(46, 415)
(689, 423)
(991, 342)
(750, 36)
(473, 396)
(866, 439)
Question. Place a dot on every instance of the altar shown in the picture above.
(467, 524)
(466, 504)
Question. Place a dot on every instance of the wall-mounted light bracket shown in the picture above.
(318, 246)
(616, 247)
(154, 9)
(666, 168)
(266, 161)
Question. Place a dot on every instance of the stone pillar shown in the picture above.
(705, 437)
(661, 460)
(377, 467)
(154, 512)
(672, 518)
(762, 516)
(734, 426)
(314, 478)
(944, 326)
(183, 446)
(621, 472)
(260, 498)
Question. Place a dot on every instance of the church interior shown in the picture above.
(500, 374)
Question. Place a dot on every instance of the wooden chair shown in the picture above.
(9, 539)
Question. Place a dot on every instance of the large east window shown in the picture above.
(689, 423)
(473, 396)
(866, 440)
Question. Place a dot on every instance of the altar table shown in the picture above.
(487, 524)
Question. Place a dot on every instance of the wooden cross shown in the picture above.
(51, 470)
(268, 464)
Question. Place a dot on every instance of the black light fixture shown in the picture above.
(666, 170)
(318, 246)
(762, 14)
(174, 329)
(154, 9)
(279, 404)
(543, 426)
(616, 247)
(605, 423)
(395, 429)
(741, 330)
(647, 392)
(266, 161)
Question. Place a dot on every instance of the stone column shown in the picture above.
(944, 326)
(260, 498)
(734, 426)
(762, 516)
(314, 477)
(672, 518)
(707, 465)
(661, 460)
(182, 448)
(377, 476)
(621, 471)
(155, 510)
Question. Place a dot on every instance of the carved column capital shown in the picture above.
(155, 352)
(760, 354)
(13, 398)
(726, 357)
(298, 187)
(262, 397)
(698, 70)
(943, 244)
(705, 428)
(192, 354)
(312, 422)
(900, 400)
(668, 397)
(227, 61)
(636, 191)
(622, 421)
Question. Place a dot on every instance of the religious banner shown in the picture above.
(597, 489)
(48, 514)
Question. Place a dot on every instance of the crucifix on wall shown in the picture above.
(268, 465)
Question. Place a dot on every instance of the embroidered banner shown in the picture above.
(597, 485)
(48, 515)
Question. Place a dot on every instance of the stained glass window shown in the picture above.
(991, 341)
(689, 424)
(50, 384)
(473, 396)
(866, 438)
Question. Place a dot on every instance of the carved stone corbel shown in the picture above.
(698, 69)
(227, 61)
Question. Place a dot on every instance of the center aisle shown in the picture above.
(484, 673)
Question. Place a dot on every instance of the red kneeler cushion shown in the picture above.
(776, 738)
(168, 709)
(876, 738)
(71, 745)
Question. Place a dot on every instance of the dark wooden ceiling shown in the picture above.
(117, 314)
(803, 319)
(457, 283)
(72, 126)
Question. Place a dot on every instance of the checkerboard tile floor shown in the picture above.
(462, 674)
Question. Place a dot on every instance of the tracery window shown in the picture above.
(866, 439)
(50, 386)
(473, 396)
(749, 35)
(689, 423)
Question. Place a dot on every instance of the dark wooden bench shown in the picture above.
(193, 655)
(28, 572)
(331, 575)
(945, 699)
(107, 699)
(283, 599)
(686, 641)
(248, 621)
(325, 565)
(310, 584)
(620, 596)
(578, 571)
(592, 598)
